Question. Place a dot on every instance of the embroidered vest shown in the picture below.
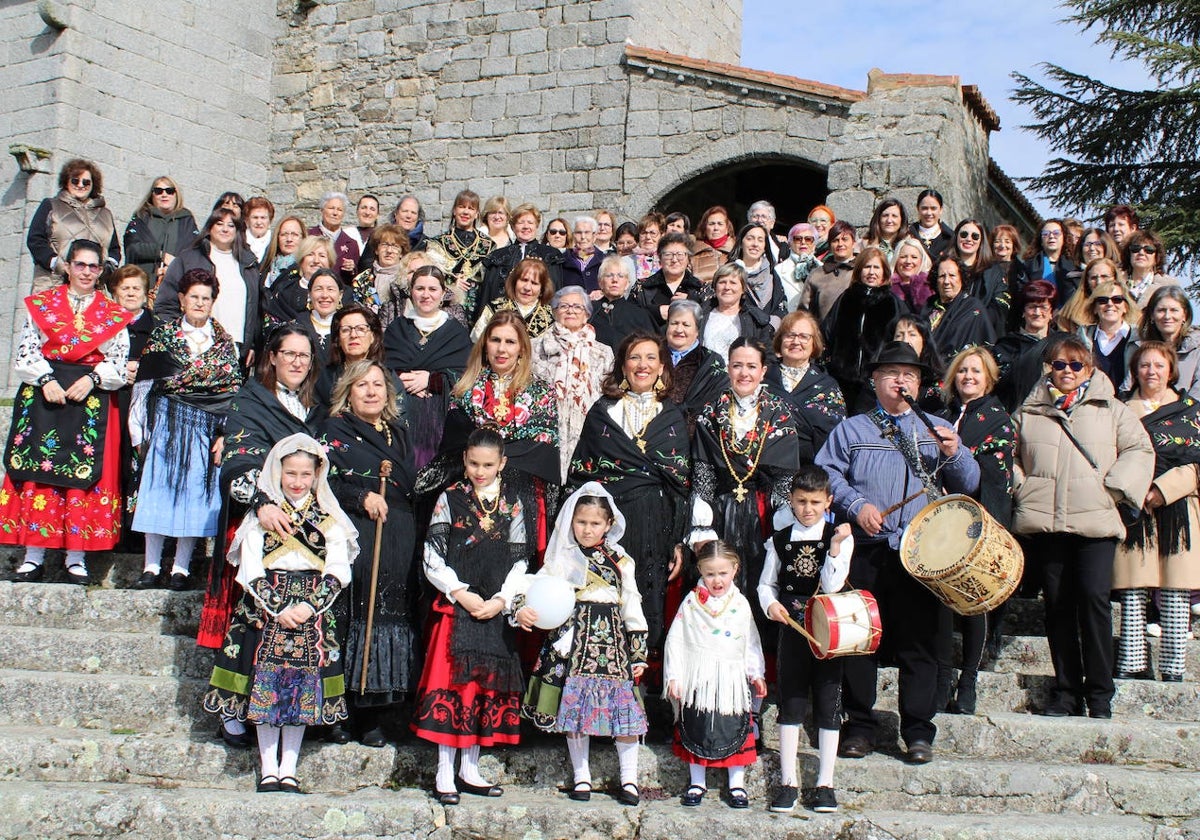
(800, 563)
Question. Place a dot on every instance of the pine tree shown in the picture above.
(1137, 147)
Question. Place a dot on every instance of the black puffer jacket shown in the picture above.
(151, 233)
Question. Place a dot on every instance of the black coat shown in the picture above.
(1066, 277)
(653, 293)
(854, 331)
(944, 240)
(573, 275)
(150, 234)
(499, 264)
(614, 319)
(166, 303)
(965, 322)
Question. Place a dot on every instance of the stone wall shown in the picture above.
(142, 89)
(705, 29)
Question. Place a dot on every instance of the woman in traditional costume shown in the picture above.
(62, 481)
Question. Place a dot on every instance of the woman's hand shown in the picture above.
(415, 381)
(54, 393)
(272, 518)
(131, 369)
(218, 449)
(759, 686)
(376, 507)
(295, 615)
(1154, 499)
(525, 617)
(80, 388)
(638, 670)
(676, 564)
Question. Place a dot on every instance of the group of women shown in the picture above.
(689, 375)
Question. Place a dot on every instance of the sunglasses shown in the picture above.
(556, 232)
(808, 239)
(80, 265)
(1143, 249)
(1059, 364)
(1116, 300)
(81, 182)
(163, 190)
(966, 234)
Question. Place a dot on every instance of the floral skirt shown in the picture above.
(583, 679)
(266, 674)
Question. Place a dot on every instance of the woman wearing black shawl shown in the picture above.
(635, 443)
(1160, 550)
(361, 434)
(186, 378)
(428, 350)
(987, 430)
(814, 395)
(958, 320)
(744, 455)
(697, 374)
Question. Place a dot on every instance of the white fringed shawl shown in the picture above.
(712, 657)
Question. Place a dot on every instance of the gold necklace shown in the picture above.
(425, 335)
(740, 491)
(501, 409)
(486, 522)
(716, 613)
(639, 437)
(382, 427)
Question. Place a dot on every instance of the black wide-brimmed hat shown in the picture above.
(897, 353)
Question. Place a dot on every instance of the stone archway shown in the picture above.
(794, 188)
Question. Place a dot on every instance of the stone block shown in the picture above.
(433, 60)
(643, 147)
(674, 122)
(846, 174)
(562, 37)
(527, 41)
(466, 70)
(514, 83)
(577, 12)
(643, 124)
(517, 21)
(438, 30)
(574, 120)
(371, 44)
(592, 34)
(495, 7)
(477, 27)
(477, 128)
(853, 205)
(556, 100)
(505, 66)
(523, 104)
(875, 175)
(605, 179)
(475, 48)
(452, 110)
(536, 64)
(681, 144)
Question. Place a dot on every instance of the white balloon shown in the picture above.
(552, 598)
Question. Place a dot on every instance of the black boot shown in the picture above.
(964, 699)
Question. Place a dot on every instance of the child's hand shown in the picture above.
(839, 535)
(638, 670)
(468, 600)
(294, 616)
(676, 565)
(777, 612)
(760, 687)
(673, 690)
(488, 609)
(526, 616)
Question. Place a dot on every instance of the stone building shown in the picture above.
(572, 104)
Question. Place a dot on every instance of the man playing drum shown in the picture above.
(884, 466)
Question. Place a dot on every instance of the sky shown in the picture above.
(980, 42)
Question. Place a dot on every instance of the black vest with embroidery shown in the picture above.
(800, 563)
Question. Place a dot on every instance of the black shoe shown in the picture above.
(784, 801)
(856, 746)
(824, 801)
(1172, 677)
(447, 798)
(479, 790)
(288, 784)
(964, 701)
(148, 580)
(77, 575)
(1061, 708)
(1099, 712)
(581, 792)
(179, 582)
(693, 796)
(241, 742)
(1144, 674)
(629, 794)
(919, 752)
(268, 784)
(375, 737)
(738, 798)
(338, 734)
(33, 575)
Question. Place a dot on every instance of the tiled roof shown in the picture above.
(743, 74)
(1005, 183)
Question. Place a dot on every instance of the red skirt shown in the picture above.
(460, 714)
(744, 757)
(43, 516)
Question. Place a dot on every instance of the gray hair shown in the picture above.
(330, 196)
(587, 220)
(565, 291)
(730, 269)
(761, 205)
(690, 306)
(404, 198)
(615, 262)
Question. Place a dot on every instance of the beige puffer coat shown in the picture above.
(1056, 490)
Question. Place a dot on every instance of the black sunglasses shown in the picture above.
(1115, 299)
(1059, 364)
(1144, 249)
(966, 234)
(554, 232)
(163, 190)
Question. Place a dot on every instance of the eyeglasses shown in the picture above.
(572, 307)
(358, 329)
(389, 247)
(817, 220)
(163, 190)
(1143, 249)
(556, 232)
(1052, 234)
(611, 274)
(974, 236)
(1060, 365)
(809, 239)
(81, 182)
(1093, 245)
(802, 338)
(1115, 300)
(291, 356)
(1038, 307)
(900, 375)
(675, 256)
(79, 265)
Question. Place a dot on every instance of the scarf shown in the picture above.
(676, 355)
(803, 264)
(384, 278)
(1065, 401)
(707, 651)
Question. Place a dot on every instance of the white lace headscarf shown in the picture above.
(564, 557)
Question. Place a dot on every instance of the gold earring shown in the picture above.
(658, 384)
(624, 384)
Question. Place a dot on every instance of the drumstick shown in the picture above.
(883, 514)
(795, 625)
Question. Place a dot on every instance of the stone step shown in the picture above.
(107, 569)
(948, 785)
(38, 810)
(1031, 655)
(100, 610)
(81, 651)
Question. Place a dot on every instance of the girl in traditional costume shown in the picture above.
(713, 660)
(476, 557)
(583, 681)
(281, 668)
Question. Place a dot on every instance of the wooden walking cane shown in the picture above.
(385, 470)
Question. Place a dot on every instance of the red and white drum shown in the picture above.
(843, 624)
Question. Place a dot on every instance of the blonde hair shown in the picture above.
(312, 243)
(986, 360)
(477, 361)
(340, 401)
(717, 549)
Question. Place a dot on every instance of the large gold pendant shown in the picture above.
(486, 522)
(740, 493)
(641, 445)
(501, 409)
